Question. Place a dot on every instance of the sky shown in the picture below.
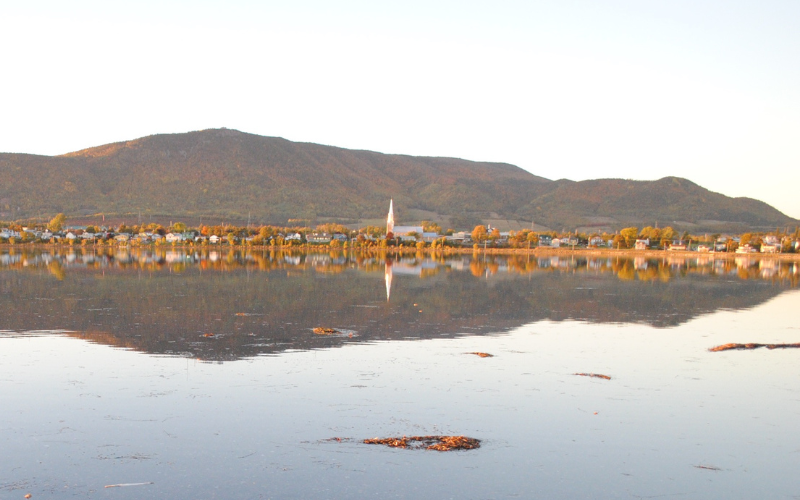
(706, 90)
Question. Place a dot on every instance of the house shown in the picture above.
(214, 239)
(294, 237)
(677, 246)
(408, 233)
(642, 244)
(429, 237)
(746, 249)
(459, 238)
(172, 238)
(596, 241)
(555, 242)
(770, 248)
(771, 240)
(122, 238)
(703, 248)
(545, 240)
(318, 237)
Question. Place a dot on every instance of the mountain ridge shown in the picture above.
(233, 174)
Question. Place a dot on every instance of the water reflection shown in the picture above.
(225, 304)
(60, 260)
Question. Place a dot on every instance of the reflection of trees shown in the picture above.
(223, 258)
(144, 303)
(625, 270)
(477, 268)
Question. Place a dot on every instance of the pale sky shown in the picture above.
(706, 90)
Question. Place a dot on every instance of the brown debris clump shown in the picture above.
(729, 347)
(325, 331)
(706, 467)
(437, 443)
(482, 354)
(595, 375)
(336, 440)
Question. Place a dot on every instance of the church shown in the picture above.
(406, 233)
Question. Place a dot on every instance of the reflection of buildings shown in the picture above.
(408, 267)
(409, 264)
(387, 276)
(768, 268)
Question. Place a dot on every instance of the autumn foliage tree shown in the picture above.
(629, 234)
(57, 222)
(479, 233)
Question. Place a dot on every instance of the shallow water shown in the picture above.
(119, 385)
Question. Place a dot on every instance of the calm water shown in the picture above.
(199, 372)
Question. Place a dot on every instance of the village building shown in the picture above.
(318, 237)
(747, 248)
(596, 241)
(770, 248)
(430, 237)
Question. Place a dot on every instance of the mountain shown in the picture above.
(230, 174)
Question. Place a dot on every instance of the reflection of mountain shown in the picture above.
(170, 309)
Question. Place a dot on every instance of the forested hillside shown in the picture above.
(226, 173)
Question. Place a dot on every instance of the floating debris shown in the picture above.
(208, 335)
(706, 467)
(126, 484)
(437, 443)
(333, 332)
(482, 354)
(326, 331)
(729, 347)
(595, 375)
(336, 440)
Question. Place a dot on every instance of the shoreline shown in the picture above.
(540, 251)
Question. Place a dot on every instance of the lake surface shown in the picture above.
(198, 374)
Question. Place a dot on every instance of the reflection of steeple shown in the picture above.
(388, 277)
(390, 219)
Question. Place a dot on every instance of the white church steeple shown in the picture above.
(390, 219)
